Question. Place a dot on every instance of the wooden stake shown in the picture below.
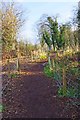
(64, 82)
(8, 66)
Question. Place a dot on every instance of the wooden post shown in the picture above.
(64, 80)
(49, 60)
(18, 64)
(31, 56)
(8, 63)
(53, 64)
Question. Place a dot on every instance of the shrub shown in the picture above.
(47, 71)
(2, 108)
(74, 71)
(71, 92)
(43, 56)
(57, 75)
(13, 75)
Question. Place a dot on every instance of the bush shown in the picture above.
(71, 92)
(2, 108)
(60, 92)
(13, 75)
(57, 76)
(43, 56)
(74, 71)
(47, 71)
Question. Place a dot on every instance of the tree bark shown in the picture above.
(49, 59)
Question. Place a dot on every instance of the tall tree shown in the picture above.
(53, 26)
(11, 23)
(47, 39)
(44, 36)
(78, 17)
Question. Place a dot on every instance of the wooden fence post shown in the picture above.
(8, 63)
(64, 78)
(18, 56)
(64, 82)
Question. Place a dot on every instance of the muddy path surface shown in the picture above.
(33, 95)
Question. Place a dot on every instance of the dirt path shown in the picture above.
(33, 96)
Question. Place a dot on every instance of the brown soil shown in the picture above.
(33, 95)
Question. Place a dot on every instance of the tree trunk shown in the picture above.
(18, 64)
(53, 64)
(18, 57)
(49, 59)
